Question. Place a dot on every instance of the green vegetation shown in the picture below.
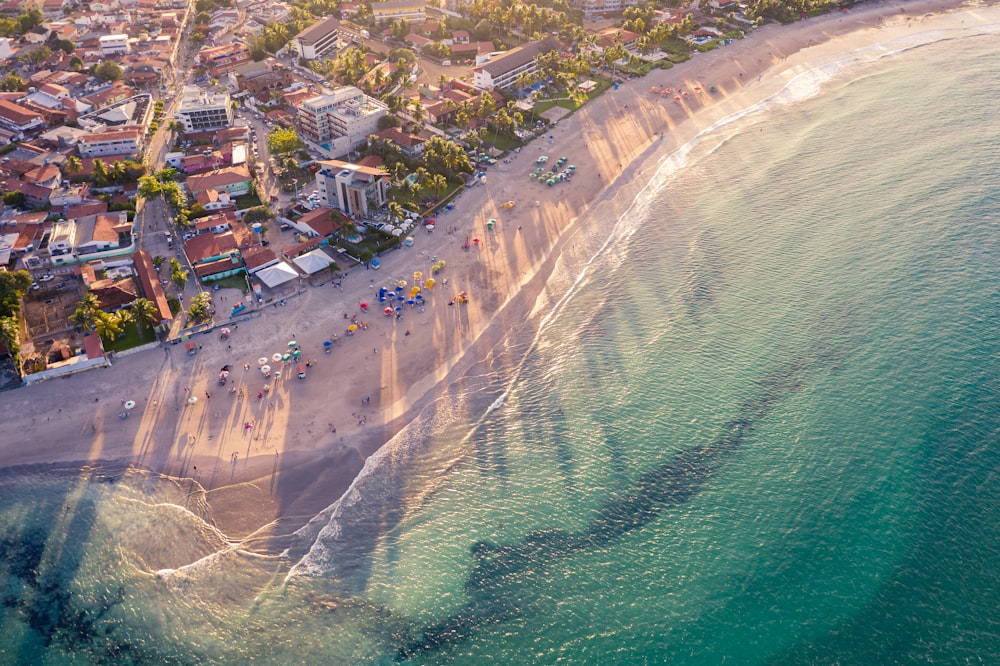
(128, 336)
(13, 286)
(201, 308)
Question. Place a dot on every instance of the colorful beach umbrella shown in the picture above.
(130, 404)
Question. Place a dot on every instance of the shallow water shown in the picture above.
(762, 427)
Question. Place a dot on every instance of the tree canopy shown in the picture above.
(284, 141)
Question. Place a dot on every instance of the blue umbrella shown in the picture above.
(399, 309)
(400, 298)
(327, 343)
(398, 288)
(411, 302)
(381, 299)
(420, 297)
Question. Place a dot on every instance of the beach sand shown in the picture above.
(311, 437)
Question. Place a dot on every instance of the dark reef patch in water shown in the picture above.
(671, 484)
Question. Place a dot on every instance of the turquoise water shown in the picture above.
(758, 425)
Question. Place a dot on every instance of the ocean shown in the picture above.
(754, 420)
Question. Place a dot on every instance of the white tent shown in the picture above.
(312, 262)
(279, 273)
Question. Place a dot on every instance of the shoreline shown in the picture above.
(302, 466)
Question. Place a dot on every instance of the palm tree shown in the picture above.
(438, 184)
(73, 165)
(107, 325)
(124, 317)
(396, 212)
(144, 312)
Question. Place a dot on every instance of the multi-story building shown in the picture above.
(352, 188)
(345, 113)
(113, 44)
(200, 110)
(317, 40)
(117, 141)
(394, 10)
(501, 72)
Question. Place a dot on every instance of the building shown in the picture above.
(234, 180)
(394, 10)
(345, 113)
(224, 58)
(502, 71)
(113, 44)
(19, 119)
(317, 40)
(119, 141)
(352, 188)
(149, 281)
(201, 111)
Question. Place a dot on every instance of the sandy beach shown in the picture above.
(309, 438)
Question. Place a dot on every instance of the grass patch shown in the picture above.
(175, 305)
(130, 338)
(233, 282)
(250, 200)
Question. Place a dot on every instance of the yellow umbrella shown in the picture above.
(414, 291)
(352, 328)
(401, 283)
(430, 283)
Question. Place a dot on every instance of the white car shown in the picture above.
(46, 278)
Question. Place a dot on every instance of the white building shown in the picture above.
(114, 44)
(502, 71)
(117, 141)
(346, 113)
(352, 188)
(317, 40)
(200, 110)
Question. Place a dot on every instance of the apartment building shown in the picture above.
(201, 111)
(317, 40)
(346, 112)
(352, 188)
(126, 141)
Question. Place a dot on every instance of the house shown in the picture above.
(19, 119)
(410, 145)
(221, 59)
(218, 223)
(610, 36)
(214, 200)
(114, 294)
(200, 162)
(234, 180)
(149, 282)
(318, 223)
(102, 232)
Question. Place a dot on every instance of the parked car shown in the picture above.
(47, 278)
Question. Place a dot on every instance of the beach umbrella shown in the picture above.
(293, 343)
(225, 331)
(572, 167)
(490, 223)
(364, 305)
(381, 299)
(277, 374)
(264, 369)
(397, 232)
(262, 360)
(192, 400)
(417, 276)
(327, 343)
(130, 404)
(399, 309)
(475, 241)
(411, 302)
(430, 283)
(401, 284)
(296, 353)
(414, 291)
(400, 297)
(387, 311)
(352, 328)
(286, 358)
(276, 356)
